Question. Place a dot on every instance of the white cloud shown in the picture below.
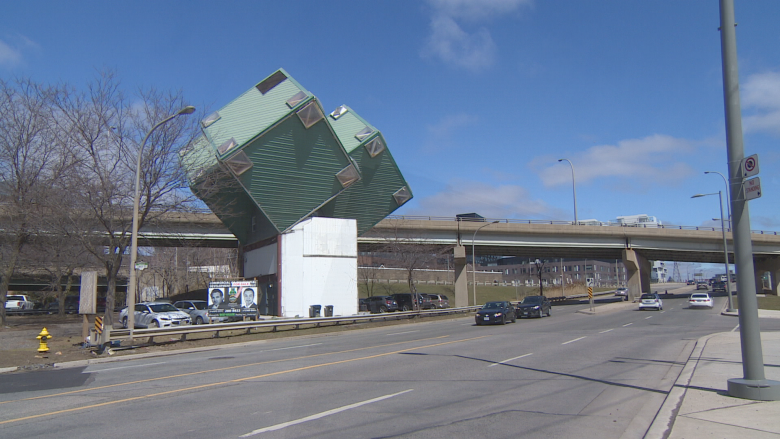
(761, 97)
(653, 159)
(504, 201)
(449, 42)
(9, 57)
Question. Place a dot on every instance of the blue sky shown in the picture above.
(477, 99)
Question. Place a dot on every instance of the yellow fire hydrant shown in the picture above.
(43, 337)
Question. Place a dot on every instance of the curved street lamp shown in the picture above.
(136, 201)
(725, 247)
(573, 189)
(474, 260)
(728, 204)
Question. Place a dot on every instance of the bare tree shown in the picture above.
(104, 130)
(30, 164)
(539, 272)
(368, 277)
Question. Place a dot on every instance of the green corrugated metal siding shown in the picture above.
(253, 113)
(294, 170)
(371, 199)
(347, 126)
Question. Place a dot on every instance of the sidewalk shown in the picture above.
(699, 406)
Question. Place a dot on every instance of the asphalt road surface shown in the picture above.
(569, 375)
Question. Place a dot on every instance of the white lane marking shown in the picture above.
(572, 341)
(510, 359)
(663, 312)
(321, 415)
(126, 367)
(735, 328)
(405, 332)
(628, 324)
(293, 347)
(649, 317)
(603, 332)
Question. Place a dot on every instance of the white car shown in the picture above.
(198, 311)
(651, 301)
(700, 299)
(156, 315)
(18, 302)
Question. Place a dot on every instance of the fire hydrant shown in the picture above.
(43, 337)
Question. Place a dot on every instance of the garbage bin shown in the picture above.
(314, 311)
(328, 310)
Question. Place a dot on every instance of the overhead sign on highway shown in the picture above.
(749, 166)
(752, 188)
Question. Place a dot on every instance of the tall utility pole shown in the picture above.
(754, 384)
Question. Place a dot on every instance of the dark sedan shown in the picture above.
(496, 312)
(534, 306)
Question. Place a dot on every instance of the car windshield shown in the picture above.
(14, 298)
(648, 296)
(532, 300)
(162, 307)
(700, 296)
(493, 305)
(200, 305)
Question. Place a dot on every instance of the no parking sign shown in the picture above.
(750, 166)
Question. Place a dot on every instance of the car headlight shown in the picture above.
(498, 314)
(536, 307)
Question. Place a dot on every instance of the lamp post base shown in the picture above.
(757, 390)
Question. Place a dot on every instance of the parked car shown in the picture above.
(381, 304)
(700, 299)
(702, 286)
(362, 304)
(652, 301)
(496, 312)
(404, 301)
(534, 306)
(439, 301)
(18, 302)
(155, 315)
(719, 285)
(690, 282)
(622, 292)
(198, 311)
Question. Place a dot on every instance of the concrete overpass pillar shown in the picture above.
(761, 266)
(461, 277)
(638, 271)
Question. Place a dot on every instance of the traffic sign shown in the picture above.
(752, 188)
(141, 265)
(749, 166)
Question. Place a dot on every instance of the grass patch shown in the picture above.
(770, 302)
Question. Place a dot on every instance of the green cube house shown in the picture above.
(272, 158)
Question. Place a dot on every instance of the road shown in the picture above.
(569, 375)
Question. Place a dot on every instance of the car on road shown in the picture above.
(702, 286)
(198, 311)
(18, 302)
(700, 300)
(651, 301)
(690, 282)
(381, 304)
(155, 315)
(622, 292)
(719, 285)
(439, 301)
(534, 306)
(496, 312)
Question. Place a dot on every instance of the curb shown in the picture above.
(606, 308)
(8, 369)
(663, 422)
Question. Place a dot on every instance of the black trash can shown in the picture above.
(328, 310)
(314, 311)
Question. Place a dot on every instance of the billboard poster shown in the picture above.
(233, 298)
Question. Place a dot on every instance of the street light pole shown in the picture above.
(134, 239)
(573, 189)
(725, 248)
(474, 260)
(728, 205)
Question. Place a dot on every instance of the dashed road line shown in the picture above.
(572, 341)
(604, 332)
(628, 324)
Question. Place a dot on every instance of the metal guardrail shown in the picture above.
(581, 224)
(183, 331)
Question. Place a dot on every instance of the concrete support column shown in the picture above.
(461, 277)
(638, 273)
(762, 265)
